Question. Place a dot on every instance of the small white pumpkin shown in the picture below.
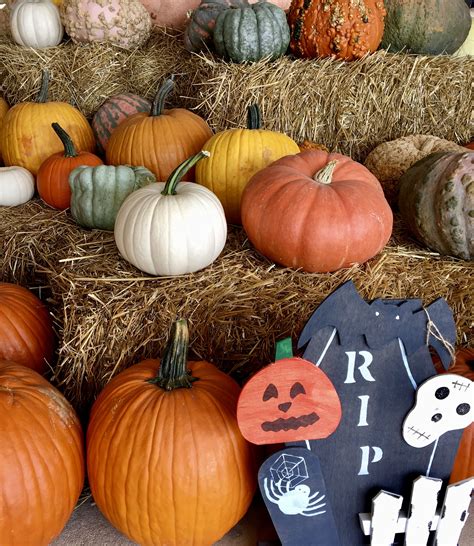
(17, 186)
(166, 229)
(36, 23)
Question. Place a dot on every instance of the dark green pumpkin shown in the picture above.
(428, 27)
(200, 27)
(436, 201)
(252, 33)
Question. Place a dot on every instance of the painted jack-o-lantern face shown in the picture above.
(288, 401)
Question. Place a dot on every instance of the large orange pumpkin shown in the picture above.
(316, 211)
(167, 463)
(26, 331)
(42, 458)
(344, 29)
(26, 139)
(3, 110)
(160, 140)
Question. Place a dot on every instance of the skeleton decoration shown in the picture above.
(443, 403)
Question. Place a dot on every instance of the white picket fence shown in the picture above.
(387, 519)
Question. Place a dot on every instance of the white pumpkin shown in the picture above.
(36, 23)
(17, 186)
(171, 229)
(467, 47)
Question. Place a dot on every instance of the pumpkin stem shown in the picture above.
(43, 92)
(324, 175)
(173, 372)
(69, 150)
(254, 120)
(158, 105)
(283, 349)
(176, 176)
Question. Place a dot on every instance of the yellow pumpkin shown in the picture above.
(3, 111)
(26, 139)
(235, 156)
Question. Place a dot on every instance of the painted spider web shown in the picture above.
(289, 469)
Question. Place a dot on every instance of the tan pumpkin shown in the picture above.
(3, 110)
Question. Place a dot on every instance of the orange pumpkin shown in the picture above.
(160, 140)
(316, 211)
(344, 29)
(42, 458)
(26, 139)
(469, 145)
(26, 331)
(3, 110)
(166, 461)
(52, 180)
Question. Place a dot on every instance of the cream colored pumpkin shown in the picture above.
(17, 186)
(36, 23)
(467, 47)
(170, 228)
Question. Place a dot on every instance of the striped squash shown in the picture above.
(112, 112)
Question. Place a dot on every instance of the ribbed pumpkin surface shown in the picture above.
(26, 332)
(42, 458)
(170, 467)
(3, 110)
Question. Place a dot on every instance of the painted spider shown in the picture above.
(294, 501)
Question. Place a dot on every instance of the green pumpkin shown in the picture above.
(252, 33)
(427, 27)
(98, 192)
(436, 202)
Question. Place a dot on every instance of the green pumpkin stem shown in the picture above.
(324, 175)
(254, 120)
(176, 176)
(158, 105)
(69, 150)
(173, 372)
(43, 92)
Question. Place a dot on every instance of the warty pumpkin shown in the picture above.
(42, 454)
(26, 139)
(316, 211)
(160, 140)
(26, 328)
(3, 110)
(36, 23)
(436, 202)
(343, 29)
(236, 155)
(17, 186)
(165, 484)
(52, 179)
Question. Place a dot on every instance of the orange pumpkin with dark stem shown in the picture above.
(52, 180)
(185, 475)
(344, 29)
(26, 331)
(160, 140)
(42, 458)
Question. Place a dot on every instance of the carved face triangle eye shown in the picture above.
(296, 389)
(270, 392)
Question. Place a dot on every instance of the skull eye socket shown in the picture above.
(296, 389)
(463, 409)
(270, 392)
(442, 393)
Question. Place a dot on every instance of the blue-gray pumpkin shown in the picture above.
(252, 33)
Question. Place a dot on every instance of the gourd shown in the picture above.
(97, 193)
(165, 483)
(427, 27)
(467, 47)
(343, 29)
(36, 23)
(42, 454)
(53, 175)
(17, 186)
(437, 202)
(111, 114)
(236, 155)
(124, 23)
(160, 140)
(251, 33)
(26, 139)
(3, 110)
(171, 228)
(26, 330)
(316, 211)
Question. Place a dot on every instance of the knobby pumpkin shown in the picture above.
(17, 186)
(166, 482)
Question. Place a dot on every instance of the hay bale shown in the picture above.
(109, 315)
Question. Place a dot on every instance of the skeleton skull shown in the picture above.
(443, 402)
